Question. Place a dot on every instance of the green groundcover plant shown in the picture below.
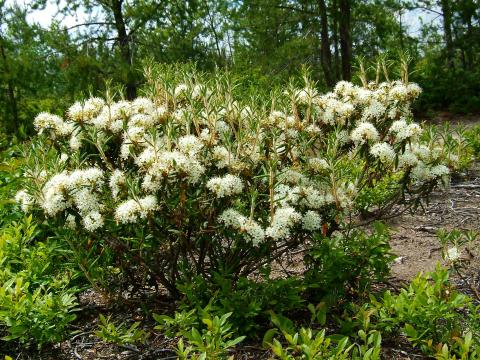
(192, 179)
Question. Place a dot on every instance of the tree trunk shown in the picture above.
(345, 38)
(13, 126)
(326, 54)
(335, 39)
(124, 44)
(447, 30)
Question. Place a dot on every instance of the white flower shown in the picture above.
(344, 88)
(364, 132)
(190, 144)
(311, 221)
(46, 121)
(421, 151)
(407, 160)
(120, 111)
(92, 107)
(225, 186)
(75, 112)
(311, 197)
(313, 129)
(75, 142)
(142, 105)
(70, 222)
(91, 176)
(117, 179)
(283, 220)
(231, 218)
(251, 230)
(131, 210)
(414, 90)
(318, 165)
(404, 131)
(374, 111)
(54, 191)
(421, 173)
(345, 194)
(222, 156)
(93, 221)
(63, 158)
(197, 91)
(439, 171)
(293, 177)
(453, 254)
(285, 195)
(102, 120)
(383, 151)
(134, 134)
(181, 89)
(141, 120)
(222, 127)
(399, 92)
(127, 212)
(148, 204)
(86, 201)
(25, 200)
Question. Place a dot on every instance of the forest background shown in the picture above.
(46, 66)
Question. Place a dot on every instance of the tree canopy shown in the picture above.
(266, 41)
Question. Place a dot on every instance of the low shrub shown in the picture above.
(431, 314)
(37, 299)
(348, 264)
(211, 338)
(192, 181)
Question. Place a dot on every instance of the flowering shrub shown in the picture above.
(190, 180)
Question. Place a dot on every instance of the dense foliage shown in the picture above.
(193, 182)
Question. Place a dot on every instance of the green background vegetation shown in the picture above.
(264, 41)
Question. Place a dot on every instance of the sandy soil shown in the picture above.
(414, 237)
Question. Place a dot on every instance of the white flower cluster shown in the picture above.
(371, 104)
(364, 132)
(311, 221)
(117, 180)
(383, 151)
(225, 186)
(403, 131)
(296, 160)
(25, 200)
(132, 210)
(318, 165)
(80, 189)
(282, 223)
(248, 227)
(48, 122)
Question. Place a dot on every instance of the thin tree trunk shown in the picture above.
(447, 30)
(335, 40)
(326, 54)
(345, 38)
(124, 44)
(13, 126)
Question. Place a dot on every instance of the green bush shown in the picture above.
(37, 299)
(309, 344)
(120, 334)
(348, 263)
(431, 314)
(210, 340)
(247, 300)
